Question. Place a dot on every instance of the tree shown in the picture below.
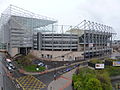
(93, 84)
(25, 61)
(104, 78)
(78, 85)
(77, 82)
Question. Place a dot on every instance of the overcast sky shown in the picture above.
(72, 12)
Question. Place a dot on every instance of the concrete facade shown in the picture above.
(56, 42)
(58, 55)
(17, 28)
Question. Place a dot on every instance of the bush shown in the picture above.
(31, 56)
(103, 77)
(96, 61)
(109, 59)
(24, 60)
(113, 71)
(88, 79)
(93, 84)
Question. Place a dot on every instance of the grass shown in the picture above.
(80, 81)
(109, 59)
(32, 68)
(96, 61)
(113, 71)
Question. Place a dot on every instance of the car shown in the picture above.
(59, 72)
(67, 64)
(41, 64)
(64, 71)
(11, 65)
(68, 69)
(77, 65)
(9, 68)
(8, 60)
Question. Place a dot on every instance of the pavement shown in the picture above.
(35, 81)
(45, 77)
(63, 82)
(40, 80)
(26, 81)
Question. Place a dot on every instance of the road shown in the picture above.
(47, 78)
(53, 64)
(5, 81)
(1, 73)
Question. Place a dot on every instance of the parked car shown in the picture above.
(68, 69)
(41, 64)
(8, 60)
(11, 65)
(77, 65)
(9, 68)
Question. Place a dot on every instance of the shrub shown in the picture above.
(96, 61)
(93, 84)
(88, 79)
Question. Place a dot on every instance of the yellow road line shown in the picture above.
(30, 83)
(20, 84)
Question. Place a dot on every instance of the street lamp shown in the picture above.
(55, 71)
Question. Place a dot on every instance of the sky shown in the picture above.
(72, 12)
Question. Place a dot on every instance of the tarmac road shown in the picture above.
(47, 78)
(5, 81)
(1, 73)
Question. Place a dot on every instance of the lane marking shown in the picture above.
(30, 83)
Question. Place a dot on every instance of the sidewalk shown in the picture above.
(63, 81)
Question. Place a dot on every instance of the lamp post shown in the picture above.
(55, 71)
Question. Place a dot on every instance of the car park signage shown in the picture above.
(116, 63)
(99, 66)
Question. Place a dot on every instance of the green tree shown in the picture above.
(77, 82)
(93, 84)
(104, 78)
(78, 85)
(25, 61)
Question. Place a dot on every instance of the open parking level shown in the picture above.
(30, 83)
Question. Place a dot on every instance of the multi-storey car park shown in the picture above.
(23, 32)
(86, 40)
(57, 42)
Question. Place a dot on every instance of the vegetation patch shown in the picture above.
(96, 61)
(88, 79)
(32, 68)
(113, 71)
(25, 62)
(109, 59)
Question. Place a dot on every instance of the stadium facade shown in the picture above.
(17, 27)
(23, 31)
